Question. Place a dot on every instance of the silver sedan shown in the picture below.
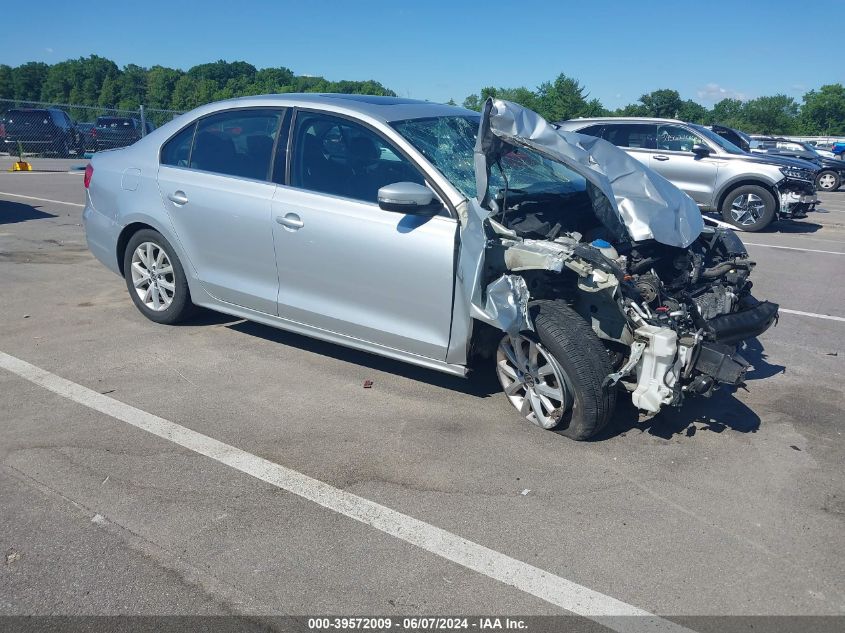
(433, 235)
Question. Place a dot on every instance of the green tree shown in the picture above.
(7, 86)
(109, 92)
(131, 87)
(728, 112)
(472, 102)
(693, 112)
(777, 114)
(563, 98)
(27, 80)
(823, 111)
(662, 103)
(160, 84)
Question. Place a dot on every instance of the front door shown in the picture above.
(344, 264)
(674, 160)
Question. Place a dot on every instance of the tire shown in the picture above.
(62, 150)
(156, 307)
(755, 211)
(581, 365)
(828, 180)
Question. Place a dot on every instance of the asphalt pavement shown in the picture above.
(731, 505)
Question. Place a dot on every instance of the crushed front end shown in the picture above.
(797, 192)
(669, 298)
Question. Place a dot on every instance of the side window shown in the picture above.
(674, 138)
(236, 143)
(177, 151)
(591, 130)
(634, 135)
(336, 156)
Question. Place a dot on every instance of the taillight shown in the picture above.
(89, 171)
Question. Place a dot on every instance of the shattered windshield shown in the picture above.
(448, 142)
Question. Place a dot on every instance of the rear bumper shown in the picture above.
(101, 234)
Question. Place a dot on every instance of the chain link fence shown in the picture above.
(63, 130)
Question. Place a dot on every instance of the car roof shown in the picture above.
(385, 109)
(624, 119)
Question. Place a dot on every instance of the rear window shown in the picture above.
(106, 121)
(28, 117)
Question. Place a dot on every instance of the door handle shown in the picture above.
(660, 157)
(178, 197)
(290, 221)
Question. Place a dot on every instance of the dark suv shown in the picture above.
(831, 171)
(41, 130)
(111, 132)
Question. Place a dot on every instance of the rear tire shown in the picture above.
(828, 180)
(749, 207)
(582, 364)
(155, 278)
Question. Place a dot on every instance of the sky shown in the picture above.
(438, 50)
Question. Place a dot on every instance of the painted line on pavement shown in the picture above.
(812, 314)
(532, 580)
(17, 195)
(794, 248)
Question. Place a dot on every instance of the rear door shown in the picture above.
(215, 183)
(347, 266)
(637, 139)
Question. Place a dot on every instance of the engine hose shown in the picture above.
(721, 269)
(644, 264)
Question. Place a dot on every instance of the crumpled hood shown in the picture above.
(636, 200)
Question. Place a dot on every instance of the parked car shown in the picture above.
(371, 222)
(41, 131)
(750, 192)
(111, 132)
(831, 171)
(838, 149)
(86, 136)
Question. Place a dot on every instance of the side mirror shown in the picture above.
(700, 150)
(410, 198)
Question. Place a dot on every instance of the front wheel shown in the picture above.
(828, 180)
(155, 278)
(556, 378)
(750, 208)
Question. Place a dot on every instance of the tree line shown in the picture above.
(820, 113)
(99, 82)
(95, 81)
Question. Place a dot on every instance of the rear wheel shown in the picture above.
(556, 379)
(155, 278)
(828, 180)
(61, 149)
(749, 207)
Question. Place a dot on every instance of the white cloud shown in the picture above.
(48, 49)
(714, 92)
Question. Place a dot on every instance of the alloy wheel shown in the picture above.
(747, 209)
(827, 181)
(152, 276)
(533, 381)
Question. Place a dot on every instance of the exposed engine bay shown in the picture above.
(669, 298)
(671, 317)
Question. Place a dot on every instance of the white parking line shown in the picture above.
(812, 314)
(532, 580)
(794, 248)
(17, 195)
